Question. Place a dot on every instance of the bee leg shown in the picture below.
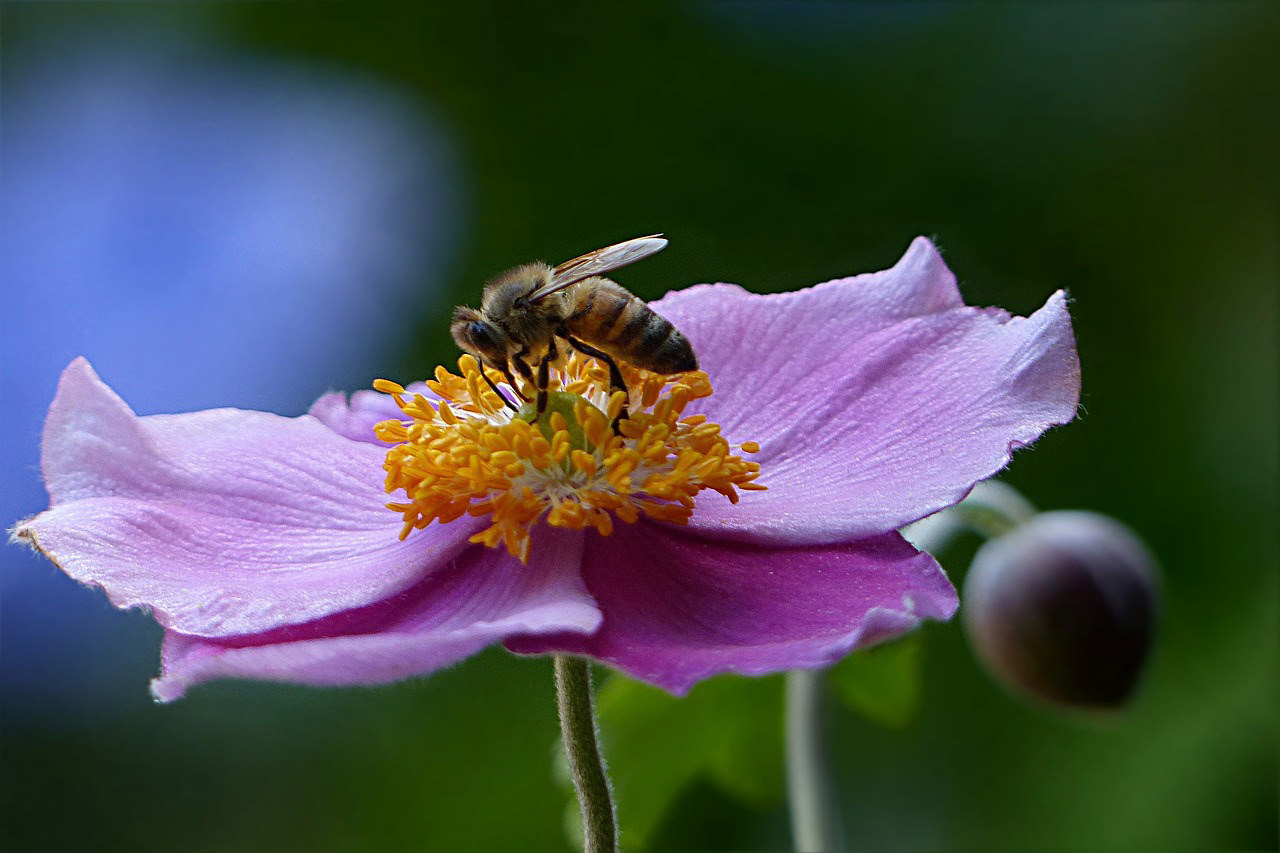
(522, 366)
(544, 375)
(511, 380)
(501, 396)
(615, 375)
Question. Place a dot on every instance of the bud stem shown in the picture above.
(578, 730)
(815, 817)
(991, 509)
(994, 508)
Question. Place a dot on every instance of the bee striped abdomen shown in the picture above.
(610, 317)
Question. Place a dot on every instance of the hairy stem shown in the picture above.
(815, 818)
(578, 730)
(992, 509)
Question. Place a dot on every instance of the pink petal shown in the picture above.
(481, 597)
(222, 522)
(679, 607)
(876, 400)
(355, 419)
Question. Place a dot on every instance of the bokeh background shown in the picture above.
(251, 204)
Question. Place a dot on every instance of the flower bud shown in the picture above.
(1063, 608)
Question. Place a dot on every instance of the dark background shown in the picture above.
(1124, 152)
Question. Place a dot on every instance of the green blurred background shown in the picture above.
(1126, 153)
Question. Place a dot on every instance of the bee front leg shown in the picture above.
(616, 382)
(496, 390)
(522, 367)
(511, 380)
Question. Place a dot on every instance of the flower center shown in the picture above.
(467, 452)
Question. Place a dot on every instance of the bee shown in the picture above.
(526, 311)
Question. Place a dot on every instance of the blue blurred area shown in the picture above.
(209, 229)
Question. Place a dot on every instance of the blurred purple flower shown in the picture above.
(263, 546)
(215, 231)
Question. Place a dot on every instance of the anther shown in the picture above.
(582, 462)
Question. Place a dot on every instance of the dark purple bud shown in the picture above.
(1063, 608)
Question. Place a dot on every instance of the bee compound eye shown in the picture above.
(480, 335)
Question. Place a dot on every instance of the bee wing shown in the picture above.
(599, 261)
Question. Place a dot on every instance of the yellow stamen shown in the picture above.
(467, 453)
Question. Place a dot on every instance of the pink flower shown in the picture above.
(265, 547)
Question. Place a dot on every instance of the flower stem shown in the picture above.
(578, 730)
(815, 818)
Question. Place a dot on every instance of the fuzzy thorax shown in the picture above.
(466, 452)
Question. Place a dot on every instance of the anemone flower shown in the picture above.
(267, 549)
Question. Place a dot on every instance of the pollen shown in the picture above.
(464, 450)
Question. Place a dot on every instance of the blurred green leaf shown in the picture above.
(745, 757)
(728, 729)
(883, 682)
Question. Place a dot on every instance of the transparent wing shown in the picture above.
(598, 262)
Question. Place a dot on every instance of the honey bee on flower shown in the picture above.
(576, 452)
(528, 309)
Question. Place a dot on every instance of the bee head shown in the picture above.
(473, 333)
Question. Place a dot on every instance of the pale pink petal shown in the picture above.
(356, 418)
(871, 410)
(679, 607)
(481, 597)
(221, 522)
(753, 345)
